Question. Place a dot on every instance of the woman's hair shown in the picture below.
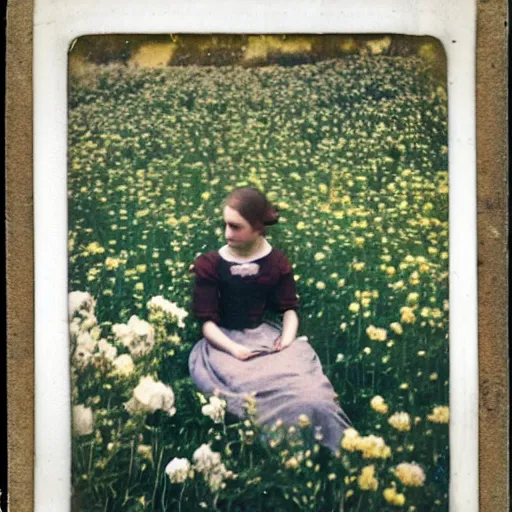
(253, 206)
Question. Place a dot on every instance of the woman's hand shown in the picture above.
(289, 332)
(281, 344)
(243, 353)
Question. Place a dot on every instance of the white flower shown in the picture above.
(123, 333)
(80, 300)
(209, 463)
(177, 470)
(124, 364)
(169, 308)
(106, 348)
(150, 396)
(85, 340)
(88, 322)
(83, 420)
(245, 269)
(139, 327)
(96, 332)
(215, 409)
(138, 335)
(216, 477)
(81, 357)
(205, 459)
(75, 327)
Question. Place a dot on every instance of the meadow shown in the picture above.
(353, 152)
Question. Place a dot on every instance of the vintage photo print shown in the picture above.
(258, 280)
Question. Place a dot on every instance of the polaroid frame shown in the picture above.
(56, 24)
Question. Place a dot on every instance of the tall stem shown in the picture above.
(181, 497)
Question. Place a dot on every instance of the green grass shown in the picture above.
(354, 154)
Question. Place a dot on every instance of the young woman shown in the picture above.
(241, 355)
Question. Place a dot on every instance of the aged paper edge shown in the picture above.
(492, 201)
(19, 256)
(492, 235)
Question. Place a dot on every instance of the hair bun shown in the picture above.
(272, 216)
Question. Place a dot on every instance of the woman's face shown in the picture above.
(238, 232)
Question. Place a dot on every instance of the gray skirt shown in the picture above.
(285, 384)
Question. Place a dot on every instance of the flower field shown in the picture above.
(353, 152)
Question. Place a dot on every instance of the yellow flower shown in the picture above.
(378, 404)
(407, 315)
(341, 283)
(410, 474)
(142, 213)
(373, 447)
(350, 440)
(320, 285)
(425, 312)
(390, 271)
(292, 463)
(404, 385)
(393, 497)
(398, 285)
(376, 333)
(139, 286)
(434, 376)
(94, 248)
(440, 414)
(112, 263)
(323, 188)
(354, 307)
(358, 266)
(303, 421)
(145, 451)
(319, 256)
(400, 421)
(301, 225)
(396, 328)
(205, 196)
(436, 313)
(141, 268)
(359, 241)
(413, 297)
(367, 480)
(414, 278)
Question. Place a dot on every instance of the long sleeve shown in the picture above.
(205, 305)
(284, 295)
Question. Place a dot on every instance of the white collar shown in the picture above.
(225, 254)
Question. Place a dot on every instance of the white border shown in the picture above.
(58, 22)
